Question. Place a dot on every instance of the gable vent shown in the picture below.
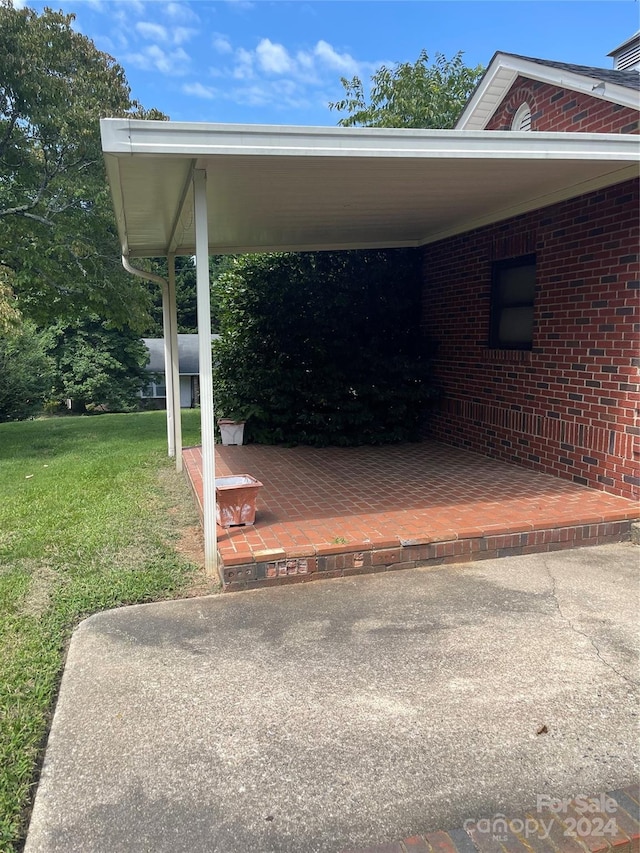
(522, 118)
(627, 56)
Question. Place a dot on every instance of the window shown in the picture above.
(155, 389)
(513, 292)
(522, 118)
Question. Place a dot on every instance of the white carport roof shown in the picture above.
(296, 188)
(208, 188)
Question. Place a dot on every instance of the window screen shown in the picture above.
(514, 285)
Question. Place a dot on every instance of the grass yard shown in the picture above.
(92, 516)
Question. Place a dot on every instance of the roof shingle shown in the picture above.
(628, 79)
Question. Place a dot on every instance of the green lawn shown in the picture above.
(90, 515)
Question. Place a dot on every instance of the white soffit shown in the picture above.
(503, 71)
(292, 188)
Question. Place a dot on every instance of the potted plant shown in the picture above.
(231, 430)
(232, 425)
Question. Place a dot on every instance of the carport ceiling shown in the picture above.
(293, 188)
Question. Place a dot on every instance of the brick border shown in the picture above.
(277, 566)
(525, 833)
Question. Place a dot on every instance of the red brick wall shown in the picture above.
(553, 108)
(569, 407)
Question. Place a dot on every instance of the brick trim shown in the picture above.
(275, 568)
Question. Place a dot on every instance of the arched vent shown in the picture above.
(522, 119)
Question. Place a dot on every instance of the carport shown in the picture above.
(200, 189)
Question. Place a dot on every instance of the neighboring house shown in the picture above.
(155, 394)
(537, 317)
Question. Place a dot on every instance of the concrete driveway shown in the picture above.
(344, 713)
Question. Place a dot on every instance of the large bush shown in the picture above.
(323, 348)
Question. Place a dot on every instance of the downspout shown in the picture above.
(168, 366)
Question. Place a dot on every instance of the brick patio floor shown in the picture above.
(337, 510)
(561, 827)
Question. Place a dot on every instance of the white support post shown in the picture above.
(168, 372)
(207, 417)
(175, 363)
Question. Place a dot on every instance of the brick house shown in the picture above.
(530, 244)
(536, 318)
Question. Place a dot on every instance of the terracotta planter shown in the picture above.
(236, 499)
(231, 432)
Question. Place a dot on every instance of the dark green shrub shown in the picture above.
(323, 347)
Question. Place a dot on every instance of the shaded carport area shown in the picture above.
(338, 715)
(182, 188)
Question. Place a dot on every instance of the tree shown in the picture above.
(58, 240)
(186, 296)
(98, 366)
(26, 372)
(9, 314)
(410, 94)
(323, 347)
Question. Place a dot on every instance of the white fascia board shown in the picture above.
(504, 69)
(124, 137)
(113, 179)
(625, 43)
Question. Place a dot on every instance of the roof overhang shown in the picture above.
(503, 71)
(296, 189)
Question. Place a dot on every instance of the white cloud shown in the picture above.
(342, 62)
(273, 75)
(183, 34)
(221, 44)
(136, 6)
(281, 94)
(274, 58)
(241, 5)
(199, 91)
(181, 12)
(156, 58)
(151, 31)
(243, 69)
(158, 33)
(305, 59)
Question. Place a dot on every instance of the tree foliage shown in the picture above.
(186, 293)
(323, 348)
(408, 94)
(57, 229)
(97, 365)
(26, 372)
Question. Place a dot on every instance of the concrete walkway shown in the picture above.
(339, 715)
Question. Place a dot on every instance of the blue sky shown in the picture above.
(280, 61)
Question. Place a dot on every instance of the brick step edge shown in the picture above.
(595, 824)
(282, 568)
